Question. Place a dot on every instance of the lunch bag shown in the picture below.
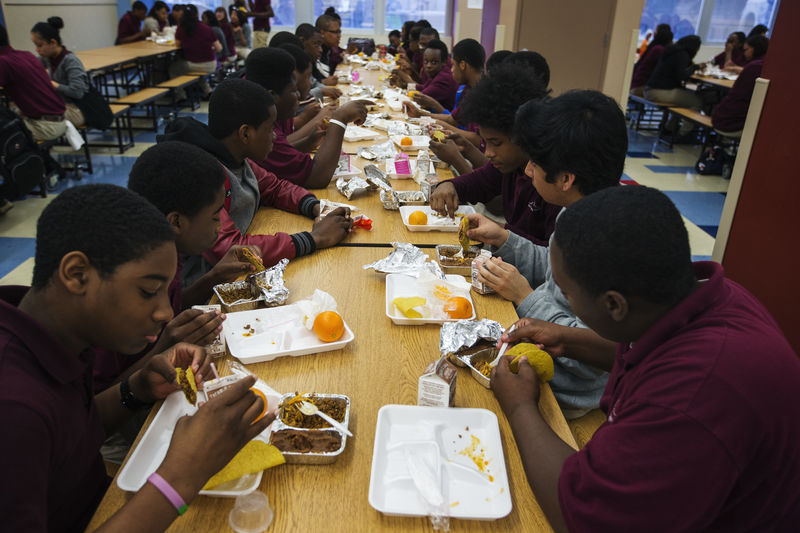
(21, 163)
(95, 109)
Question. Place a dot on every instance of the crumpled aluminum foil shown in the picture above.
(405, 259)
(411, 197)
(366, 153)
(384, 150)
(397, 127)
(350, 186)
(377, 178)
(390, 200)
(465, 333)
(270, 283)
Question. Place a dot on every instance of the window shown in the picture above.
(284, 13)
(356, 14)
(729, 16)
(399, 11)
(683, 16)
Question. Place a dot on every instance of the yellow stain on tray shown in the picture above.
(477, 452)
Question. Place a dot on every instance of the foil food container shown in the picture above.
(479, 359)
(464, 269)
(405, 259)
(243, 304)
(389, 200)
(377, 178)
(384, 150)
(351, 186)
(271, 285)
(456, 336)
(312, 458)
(366, 153)
(411, 198)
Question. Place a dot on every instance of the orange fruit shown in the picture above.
(406, 141)
(329, 326)
(263, 399)
(418, 218)
(458, 307)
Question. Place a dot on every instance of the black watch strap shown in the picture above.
(127, 398)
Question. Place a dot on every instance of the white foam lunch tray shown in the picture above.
(151, 450)
(357, 133)
(403, 285)
(437, 435)
(279, 332)
(419, 142)
(446, 223)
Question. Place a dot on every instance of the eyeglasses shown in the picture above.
(333, 31)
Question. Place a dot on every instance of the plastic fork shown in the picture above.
(309, 409)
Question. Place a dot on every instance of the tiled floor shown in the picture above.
(699, 198)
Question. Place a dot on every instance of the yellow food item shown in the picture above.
(406, 141)
(418, 218)
(442, 292)
(253, 259)
(463, 239)
(263, 399)
(329, 326)
(439, 136)
(256, 456)
(412, 93)
(540, 360)
(458, 307)
(406, 305)
(185, 379)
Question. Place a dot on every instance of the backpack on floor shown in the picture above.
(712, 161)
(21, 163)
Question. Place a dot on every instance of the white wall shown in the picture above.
(87, 24)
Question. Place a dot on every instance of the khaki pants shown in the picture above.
(260, 39)
(182, 67)
(74, 115)
(679, 98)
(242, 52)
(42, 130)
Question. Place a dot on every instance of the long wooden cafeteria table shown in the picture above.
(711, 80)
(110, 56)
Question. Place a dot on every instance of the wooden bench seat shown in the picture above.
(142, 97)
(644, 101)
(180, 82)
(694, 116)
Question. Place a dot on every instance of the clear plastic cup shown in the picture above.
(251, 513)
(411, 86)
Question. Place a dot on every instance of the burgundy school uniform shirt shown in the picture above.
(737, 57)
(441, 88)
(645, 66)
(128, 25)
(260, 7)
(197, 47)
(286, 161)
(703, 430)
(731, 112)
(525, 211)
(227, 30)
(27, 84)
(53, 476)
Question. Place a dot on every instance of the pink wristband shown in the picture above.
(169, 493)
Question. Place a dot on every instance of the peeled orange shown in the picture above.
(458, 307)
(328, 326)
(263, 399)
(418, 218)
(406, 141)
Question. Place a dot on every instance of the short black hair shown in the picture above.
(285, 37)
(305, 31)
(429, 31)
(49, 30)
(3, 36)
(758, 29)
(177, 177)
(436, 44)
(471, 51)
(210, 19)
(324, 21)
(301, 59)
(496, 58)
(635, 226)
(494, 101)
(138, 5)
(582, 132)
(271, 68)
(413, 33)
(759, 44)
(534, 60)
(235, 102)
(394, 33)
(424, 23)
(109, 224)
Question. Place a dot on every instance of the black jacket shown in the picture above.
(673, 68)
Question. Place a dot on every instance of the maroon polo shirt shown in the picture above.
(53, 476)
(645, 66)
(27, 84)
(703, 430)
(129, 25)
(731, 112)
(286, 161)
(197, 47)
(525, 211)
(737, 57)
(441, 88)
(261, 6)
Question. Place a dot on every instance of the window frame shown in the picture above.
(704, 23)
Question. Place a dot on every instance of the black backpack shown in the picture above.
(96, 111)
(21, 163)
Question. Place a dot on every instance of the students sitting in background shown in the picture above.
(492, 105)
(394, 42)
(758, 29)
(241, 116)
(665, 84)
(532, 60)
(209, 19)
(156, 19)
(405, 37)
(576, 144)
(66, 71)
(276, 70)
(199, 45)
(331, 30)
(495, 59)
(733, 55)
(312, 45)
(129, 28)
(242, 33)
(104, 260)
(702, 431)
(227, 31)
(730, 114)
(175, 15)
(649, 59)
(439, 83)
(30, 91)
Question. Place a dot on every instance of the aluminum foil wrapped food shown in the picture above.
(455, 336)
(377, 177)
(390, 200)
(384, 150)
(328, 206)
(367, 153)
(270, 283)
(350, 186)
(405, 259)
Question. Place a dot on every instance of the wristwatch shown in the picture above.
(127, 398)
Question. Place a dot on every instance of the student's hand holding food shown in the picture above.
(234, 264)
(447, 151)
(331, 92)
(157, 379)
(309, 112)
(426, 102)
(444, 199)
(413, 111)
(332, 228)
(396, 81)
(192, 326)
(484, 230)
(330, 80)
(354, 111)
(204, 443)
(536, 331)
(505, 279)
(515, 391)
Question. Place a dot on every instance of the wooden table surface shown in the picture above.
(381, 366)
(710, 80)
(110, 56)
